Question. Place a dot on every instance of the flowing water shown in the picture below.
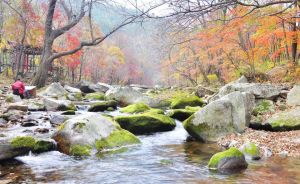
(161, 158)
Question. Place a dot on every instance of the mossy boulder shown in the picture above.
(250, 150)
(135, 108)
(74, 96)
(58, 105)
(231, 160)
(31, 144)
(117, 138)
(146, 123)
(181, 103)
(285, 121)
(183, 114)
(95, 96)
(263, 107)
(140, 108)
(102, 106)
(81, 150)
(80, 135)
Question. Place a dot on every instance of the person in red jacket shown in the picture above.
(18, 88)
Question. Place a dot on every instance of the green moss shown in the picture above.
(71, 107)
(216, 158)
(195, 109)
(146, 123)
(61, 127)
(80, 150)
(117, 138)
(135, 108)
(287, 123)
(78, 96)
(195, 131)
(252, 150)
(180, 103)
(156, 111)
(43, 146)
(95, 96)
(9, 99)
(23, 142)
(263, 107)
(110, 109)
(102, 106)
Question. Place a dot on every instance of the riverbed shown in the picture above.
(161, 158)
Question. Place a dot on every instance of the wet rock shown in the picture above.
(70, 112)
(56, 119)
(79, 135)
(29, 123)
(102, 106)
(13, 115)
(227, 115)
(7, 151)
(231, 160)
(41, 146)
(54, 90)
(58, 105)
(42, 130)
(36, 105)
(146, 123)
(250, 150)
(293, 97)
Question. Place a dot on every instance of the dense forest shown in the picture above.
(149, 91)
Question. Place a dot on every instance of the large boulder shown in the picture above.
(18, 106)
(88, 87)
(146, 123)
(127, 95)
(231, 160)
(54, 90)
(135, 108)
(58, 105)
(71, 89)
(95, 96)
(80, 135)
(230, 114)
(260, 91)
(102, 87)
(285, 120)
(293, 97)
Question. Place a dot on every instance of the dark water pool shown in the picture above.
(161, 158)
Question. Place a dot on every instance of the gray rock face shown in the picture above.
(88, 87)
(58, 105)
(260, 91)
(293, 97)
(127, 96)
(229, 114)
(232, 165)
(54, 90)
(202, 91)
(71, 89)
(102, 87)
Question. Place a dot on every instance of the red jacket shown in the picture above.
(18, 85)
